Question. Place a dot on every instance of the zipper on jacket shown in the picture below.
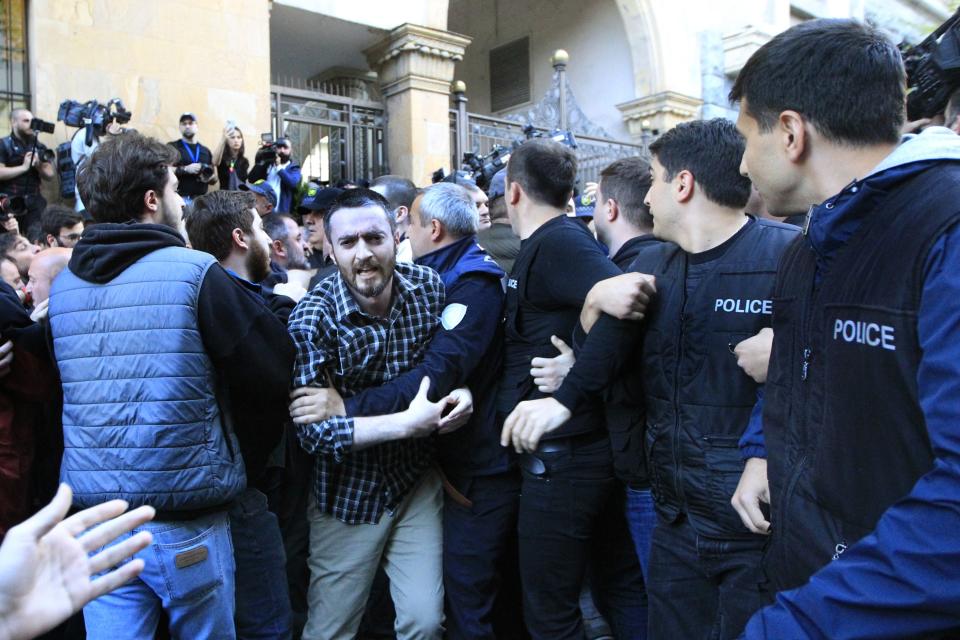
(677, 475)
(807, 219)
(807, 352)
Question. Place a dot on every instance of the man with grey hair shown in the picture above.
(481, 502)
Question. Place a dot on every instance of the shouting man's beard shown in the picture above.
(258, 263)
(368, 278)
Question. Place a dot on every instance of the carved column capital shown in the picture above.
(416, 57)
(659, 112)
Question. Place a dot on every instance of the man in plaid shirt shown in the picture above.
(377, 496)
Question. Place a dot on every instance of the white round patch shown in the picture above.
(452, 315)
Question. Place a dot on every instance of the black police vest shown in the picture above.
(844, 431)
(698, 400)
(527, 331)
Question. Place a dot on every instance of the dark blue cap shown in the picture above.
(261, 187)
(318, 198)
(583, 206)
(498, 184)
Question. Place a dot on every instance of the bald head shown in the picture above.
(46, 266)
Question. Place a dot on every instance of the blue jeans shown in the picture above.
(641, 518)
(263, 600)
(703, 587)
(188, 572)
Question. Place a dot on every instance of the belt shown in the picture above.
(561, 445)
(534, 464)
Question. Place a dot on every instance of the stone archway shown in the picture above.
(666, 65)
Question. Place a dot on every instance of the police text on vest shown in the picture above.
(734, 305)
(868, 333)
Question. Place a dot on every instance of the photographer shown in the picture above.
(282, 174)
(25, 162)
(195, 168)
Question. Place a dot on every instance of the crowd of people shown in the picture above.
(660, 410)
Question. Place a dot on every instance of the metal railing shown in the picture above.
(482, 133)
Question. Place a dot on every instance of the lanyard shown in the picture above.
(193, 155)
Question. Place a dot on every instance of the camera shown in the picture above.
(12, 205)
(933, 70)
(481, 169)
(267, 154)
(206, 171)
(41, 126)
(93, 115)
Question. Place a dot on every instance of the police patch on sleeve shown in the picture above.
(452, 315)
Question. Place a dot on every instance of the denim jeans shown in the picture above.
(572, 520)
(188, 572)
(641, 518)
(702, 587)
(263, 600)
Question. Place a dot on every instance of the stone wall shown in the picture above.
(210, 57)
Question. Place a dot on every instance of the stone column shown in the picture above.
(658, 113)
(415, 66)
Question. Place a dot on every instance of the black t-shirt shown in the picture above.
(191, 185)
(12, 151)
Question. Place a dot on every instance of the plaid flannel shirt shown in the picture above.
(358, 351)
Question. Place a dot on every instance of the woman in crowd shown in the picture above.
(229, 158)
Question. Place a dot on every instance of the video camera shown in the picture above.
(933, 70)
(12, 205)
(93, 115)
(267, 153)
(42, 126)
(481, 169)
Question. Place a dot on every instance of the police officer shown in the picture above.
(861, 410)
(21, 156)
(569, 518)
(714, 282)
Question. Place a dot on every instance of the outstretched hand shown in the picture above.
(45, 566)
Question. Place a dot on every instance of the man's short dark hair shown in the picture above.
(627, 181)
(115, 178)
(845, 77)
(711, 150)
(8, 240)
(546, 170)
(55, 217)
(274, 225)
(355, 199)
(399, 191)
(498, 208)
(213, 218)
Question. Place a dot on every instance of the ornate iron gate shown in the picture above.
(334, 136)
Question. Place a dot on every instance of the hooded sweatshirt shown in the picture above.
(901, 580)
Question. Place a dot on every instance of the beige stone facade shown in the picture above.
(211, 57)
(636, 66)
